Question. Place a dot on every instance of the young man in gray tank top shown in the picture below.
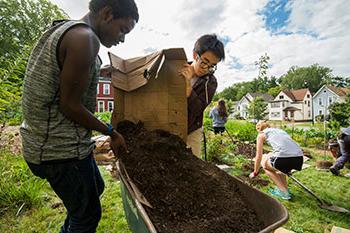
(59, 98)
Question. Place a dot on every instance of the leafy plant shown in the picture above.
(104, 116)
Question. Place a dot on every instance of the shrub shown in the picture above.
(242, 130)
(104, 116)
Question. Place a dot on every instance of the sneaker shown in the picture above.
(278, 193)
(334, 171)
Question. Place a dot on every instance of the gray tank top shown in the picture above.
(282, 144)
(46, 133)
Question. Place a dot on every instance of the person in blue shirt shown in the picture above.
(219, 116)
(341, 151)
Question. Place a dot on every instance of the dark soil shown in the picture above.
(247, 149)
(323, 164)
(187, 194)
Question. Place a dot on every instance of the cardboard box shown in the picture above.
(150, 89)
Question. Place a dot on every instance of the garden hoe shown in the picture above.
(322, 203)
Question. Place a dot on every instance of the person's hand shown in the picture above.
(187, 72)
(253, 175)
(117, 143)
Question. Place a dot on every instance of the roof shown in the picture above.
(296, 95)
(299, 94)
(340, 91)
(266, 97)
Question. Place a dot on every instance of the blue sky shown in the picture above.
(276, 15)
(292, 33)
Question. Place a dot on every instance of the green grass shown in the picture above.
(18, 186)
(304, 213)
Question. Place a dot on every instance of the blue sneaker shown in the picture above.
(278, 193)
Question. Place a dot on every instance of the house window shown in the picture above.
(320, 112)
(305, 101)
(275, 114)
(275, 105)
(283, 104)
(308, 103)
(320, 101)
(98, 91)
(308, 96)
(106, 89)
(238, 108)
(330, 100)
(281, 97)
(110, 106)
(309, 113)
(101, 106)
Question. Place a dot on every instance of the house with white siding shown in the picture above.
(292, 105)
(243, 104)
(326, 96)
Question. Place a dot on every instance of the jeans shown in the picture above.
(344, 144)
(78, 183)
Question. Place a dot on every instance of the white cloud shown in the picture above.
(168, 23)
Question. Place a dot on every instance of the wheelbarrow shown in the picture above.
(272, 213)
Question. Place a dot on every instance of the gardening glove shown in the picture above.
(253, 175)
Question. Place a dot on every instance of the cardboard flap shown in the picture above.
(133, 73)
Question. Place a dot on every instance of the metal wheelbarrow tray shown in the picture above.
(272, 213)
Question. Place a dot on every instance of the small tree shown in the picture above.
(257, 109)
(339, 112)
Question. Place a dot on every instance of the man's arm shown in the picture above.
(80, 46)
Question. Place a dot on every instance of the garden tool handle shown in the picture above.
(305, 188)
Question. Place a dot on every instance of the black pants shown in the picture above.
(219, 130)
(79, 185)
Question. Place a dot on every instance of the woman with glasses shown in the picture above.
(201, 85)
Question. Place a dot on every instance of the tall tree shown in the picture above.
(263, 65)
(339, 81)
(312, 77)
(21, 23)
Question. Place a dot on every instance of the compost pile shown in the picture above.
(187, 194)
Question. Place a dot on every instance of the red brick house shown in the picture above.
(104, 97)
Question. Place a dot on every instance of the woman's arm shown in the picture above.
(259, 151)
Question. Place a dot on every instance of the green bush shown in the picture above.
(242, 130)
(218, 147)
(104, 116)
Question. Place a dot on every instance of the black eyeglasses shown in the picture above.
(206, 66)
